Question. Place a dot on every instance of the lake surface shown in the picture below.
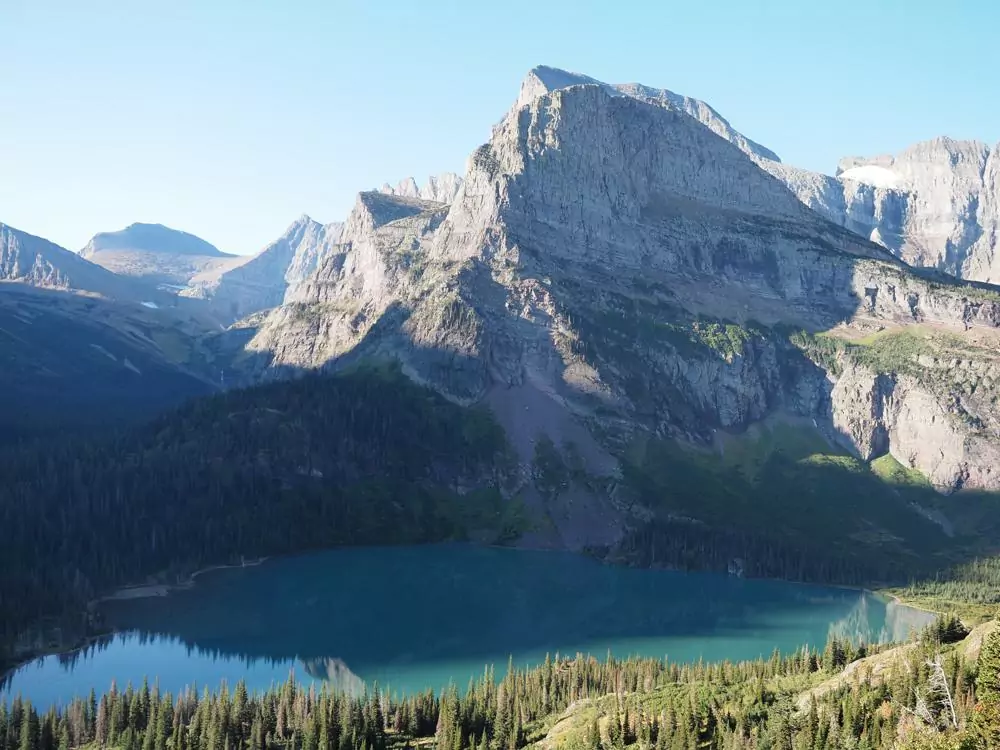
(413, 618)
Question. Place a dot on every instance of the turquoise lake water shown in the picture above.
(413, 618)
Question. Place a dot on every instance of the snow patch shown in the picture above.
(151, 305)
(105, 352)
(872, 175)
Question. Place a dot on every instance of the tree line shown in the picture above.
(925, 701)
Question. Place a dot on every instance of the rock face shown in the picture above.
(262, 281)
(156, 254)
(880, 413)
(613, 265)
(544, 79)
(937, 204)
(441, 188)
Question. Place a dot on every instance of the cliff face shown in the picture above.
(261, 282)
(612, 266)
(934, 205)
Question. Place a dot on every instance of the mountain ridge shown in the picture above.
(158, 255)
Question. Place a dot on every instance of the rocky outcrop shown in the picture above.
(879, 413)
(636, 268)
(157, 254)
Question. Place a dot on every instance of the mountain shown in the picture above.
(950, 203)
(442, 188)
(937, 204)
(262, 281)
(622, 335)
(156, 254)
(84, 347)
(633, 295)
(34, 261)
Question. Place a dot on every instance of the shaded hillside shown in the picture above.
(71, 362)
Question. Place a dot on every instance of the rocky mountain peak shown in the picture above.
(440, 188)
(544, 79)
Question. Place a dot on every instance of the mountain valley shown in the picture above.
(626, 330)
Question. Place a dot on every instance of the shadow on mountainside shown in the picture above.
(71, 363)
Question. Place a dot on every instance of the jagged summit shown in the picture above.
(440, 188)
(263, 280)
(544, 79)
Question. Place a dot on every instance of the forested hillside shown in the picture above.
(366, 457)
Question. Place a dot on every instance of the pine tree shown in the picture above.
(985, 724)
(29, 729)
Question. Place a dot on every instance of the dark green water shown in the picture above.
(419, 617)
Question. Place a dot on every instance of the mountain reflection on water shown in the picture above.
(418, 618)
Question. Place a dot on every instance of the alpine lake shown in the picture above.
(413, 618)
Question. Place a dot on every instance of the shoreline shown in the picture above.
(122, 593)
(150, 590)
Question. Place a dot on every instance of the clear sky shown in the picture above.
(230, 118)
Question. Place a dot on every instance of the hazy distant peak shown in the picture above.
(544, 79)
(151, 238)
(304, 222)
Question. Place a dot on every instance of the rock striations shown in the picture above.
(617, 263)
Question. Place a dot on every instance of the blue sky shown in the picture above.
(230, 118)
